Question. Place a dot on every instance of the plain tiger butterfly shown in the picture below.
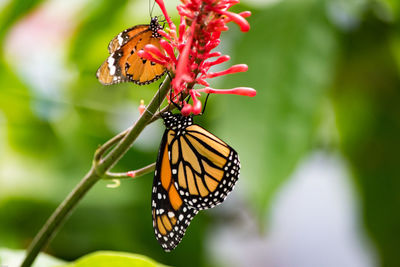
(124, 65)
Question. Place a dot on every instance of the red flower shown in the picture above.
(199, 31)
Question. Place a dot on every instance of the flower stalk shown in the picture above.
(199, 32)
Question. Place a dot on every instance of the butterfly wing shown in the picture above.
(204, 168)
(171, 216)
(124, 36)
(124, 65)
(142, 71)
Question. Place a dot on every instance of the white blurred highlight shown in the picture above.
(314, 222)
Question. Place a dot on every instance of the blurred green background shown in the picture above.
(319, 144)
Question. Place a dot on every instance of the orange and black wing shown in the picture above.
(204, 168)
(138, 70)
(124, 65)
(171, 216)
(124, 36)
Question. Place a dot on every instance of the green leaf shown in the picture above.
(290, 50)
(11, 258)
(114, 259)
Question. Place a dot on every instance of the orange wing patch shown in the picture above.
(165, 171)
(211, 167)
(124, 36)
(171, 216)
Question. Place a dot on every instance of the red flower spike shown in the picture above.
(196, 109)
(169, 49)
(154, 50)
(145, 55)
(215, 35)
(165, 35)
(239, 20)
(215, 54)
(202, 82)
(220, 60)
(244, 91)
(182, 28)
(165, 13)
(245, 14)
(211, 45)
(182, 67)
(233, 69)
(186, 110)
(184, 13)
(200, 28)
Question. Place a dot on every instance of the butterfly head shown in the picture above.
(154, 27)
(176, 122)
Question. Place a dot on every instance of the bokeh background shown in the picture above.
(319, 144)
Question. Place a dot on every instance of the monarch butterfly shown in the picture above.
(195, 170)
(124, 65)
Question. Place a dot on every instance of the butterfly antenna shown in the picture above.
(161, 18)
(173, 102)
(176, 105)
(152, 8)
(170, 95)
(205, 104)
(181, 99)
(149, 7)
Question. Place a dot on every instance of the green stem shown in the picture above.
(59, 216)
(131, 174)
(99, 168)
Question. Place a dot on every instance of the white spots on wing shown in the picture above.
(120, 39)
(111, 65)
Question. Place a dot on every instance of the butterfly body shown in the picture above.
(124, 65)
(195, 170)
